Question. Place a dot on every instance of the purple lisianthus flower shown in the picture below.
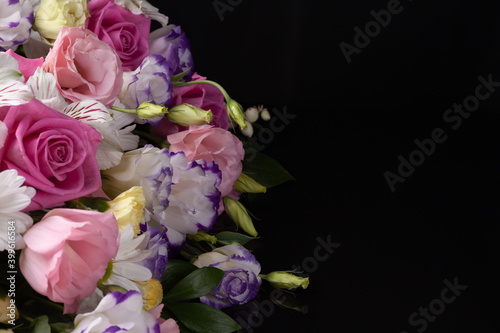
(171, 42)
(240, 283)
(118, 312)
(193, 201)
(150, 82)
(16, 19)
(158, 258)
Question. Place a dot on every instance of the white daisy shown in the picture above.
(13, 198)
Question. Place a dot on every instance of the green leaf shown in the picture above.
(179, 76)
(198, 283)
(175, 271)
(264, 169)
(201, 318)
(40, 325)
(98, 204)
(228, 237)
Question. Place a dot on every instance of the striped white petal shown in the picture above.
(14, 93)
(44, 88)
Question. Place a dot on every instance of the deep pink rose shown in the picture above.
(54, 152)
(67, 253)
(211, 143)
(204, 96)
(126, 32)
(26, 66)
(84, 66)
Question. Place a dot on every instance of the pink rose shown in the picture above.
(211, 143)
(166, 326)
(204, 96)
(54, 152)
(84, 66)
(67, 253)
(26, 66)
(126, 32)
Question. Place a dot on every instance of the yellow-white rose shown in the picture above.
(128, 208)
(52, 15)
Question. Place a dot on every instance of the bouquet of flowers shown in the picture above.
(123, 174)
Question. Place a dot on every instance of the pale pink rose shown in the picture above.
(212, 144)
(27, 67)
(55, 153)
(166, 326)
(67, 253)
(84, 66)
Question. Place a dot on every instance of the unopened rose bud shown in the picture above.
(252, 114)
(150, 110)
(284, 280)
(265, 115)
(239, 215)
(245, 184)
(187, 114)
(236, 113)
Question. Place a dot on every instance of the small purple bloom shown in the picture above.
(240, 283)
(172, 43)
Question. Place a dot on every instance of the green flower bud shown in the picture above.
(284, 280)
(245, 184)
(236, 113)
(203, 236)
(239, 215)
(149, 110)
(187, 114)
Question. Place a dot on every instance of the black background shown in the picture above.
(352, 122)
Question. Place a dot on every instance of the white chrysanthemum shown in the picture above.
(13, 198)
(13, 92)
(44, 88)
(127, 266)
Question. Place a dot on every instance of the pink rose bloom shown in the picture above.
(126, 32)
(204, 96)
(67, 253)
(55, 153)
(166, 326)
(84, 67)
(26, 66)
(215, 144)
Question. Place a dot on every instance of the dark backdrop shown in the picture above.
(354, 122)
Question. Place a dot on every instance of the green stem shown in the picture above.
(215, 84)
(129, 111)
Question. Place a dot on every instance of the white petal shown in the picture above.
(44, 88)
(10, 68)
(14, 93)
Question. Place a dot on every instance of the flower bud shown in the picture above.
(252, 114)
(149, 110)
(52, 15)
(187, 114)
(248, 132)
(284, 280)
(245, 184)
(128, 208)
(203, 236)
(235, 111)
(239, 215)
(265, 115)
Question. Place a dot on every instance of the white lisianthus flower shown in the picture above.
(52, 15)
(44, 88)
(143, 7)
(13, 198)
(13, 92)
(16, 19)
(117, 312)
(148, 167)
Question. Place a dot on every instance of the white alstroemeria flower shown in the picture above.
(95, 114)
(143, 7)
(117, 312)
(13, 198)
(9, 69)
(127, 266)
(44, 88)
(13, 92)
